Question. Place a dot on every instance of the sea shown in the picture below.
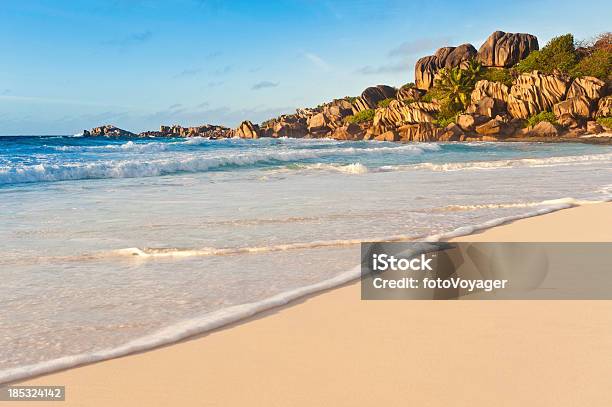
(112, 246)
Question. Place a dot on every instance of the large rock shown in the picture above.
(390, 135)
(544, 129)
(593, 127)
(468, 122)
(587, 86)
(450, 57)
(491, 128)
(371, 96)
(109, 131)
(488, 107)
(506, 49)
(318, 124)
(426, 68)
(290, 125)
(604, 107)
(419, 132)
(485, 88)
(535, 92)
(452, 132)
(398, 113)
(425, 71)
(409, 94)
(351, 131)
(576, 107)
(247, 130)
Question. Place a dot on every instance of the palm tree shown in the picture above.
(456, 85)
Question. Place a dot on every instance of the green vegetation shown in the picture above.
(350, 99)
(605, 121)
(363, 116)
(385, 102)
(443, 121)
(408, 85)
(558, 54)
(500, 75)
(597, 64)
(456, 84)
(561, 54)
(432, 94)
(541, 117)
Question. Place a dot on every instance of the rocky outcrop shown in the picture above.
(409, 94)
(587, 86)
(452, 132)
(604, 107)
(390, 135)
(247, 130)
(503, 49)
(399, 113)
(488, 107)
(426, 68)
(578, 107)
(468, 122)
(425, 71)
(485, 88)
(535, 92)
(491, 128)
(543, 129)
(371, 96)
(287, 125)
(351, 131)
(419, 132)
(208, 130)
(108, 131)
(592, 127)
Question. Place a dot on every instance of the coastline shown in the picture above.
(338, 327)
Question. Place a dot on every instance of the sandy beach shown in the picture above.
(332, 349)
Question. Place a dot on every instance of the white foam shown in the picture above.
(355, 168)
(220, 318)
(191, 163)
(178, 331)
(496, 164)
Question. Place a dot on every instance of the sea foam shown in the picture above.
(217, 319)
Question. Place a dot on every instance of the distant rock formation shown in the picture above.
(247, 130)
(107, 131)
(494, 110)
(506, 49)
(207, 130)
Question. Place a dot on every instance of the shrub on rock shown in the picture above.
(541, 117)
(363, 116)
(558, 54)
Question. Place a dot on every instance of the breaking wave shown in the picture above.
(184, 163)
(521, 162)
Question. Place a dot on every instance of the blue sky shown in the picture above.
(73, 64)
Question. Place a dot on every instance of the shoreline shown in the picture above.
(187, 329)
(285, 302)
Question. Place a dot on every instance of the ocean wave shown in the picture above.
(128, 146)
(508, 163)
(138, 168)
(216, 319)
(545, 207)
(455, 208)
(354, 168)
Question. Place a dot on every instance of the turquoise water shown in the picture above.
(56, 158)
(115, 245)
